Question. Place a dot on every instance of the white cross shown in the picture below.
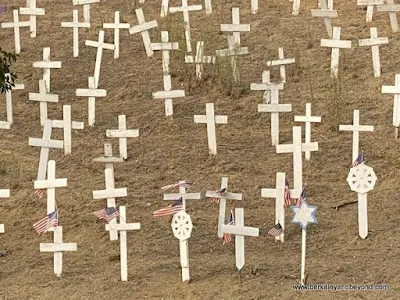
(122, 228)
(100, 45)
(182, 194)
(370, 7)
(7, 125)
(199, 59)
(356, 128)
(109, 161)
(392, 9)
(58, 247)
(236, 28)
(395, 90)
(374, 42)
(144, 28)
(86, 7)
(43, 97)
(308, 119)
(116, 26)
(122, 134)
(165, 47)
(4, 194)
(281, 62)
(185, 8)
(211, 119)
(326, 14)
(222, 202)
(75, 24)
(32, 11)
(67, 125)
(335, 43)
(46, 65)
(168, 95)
(278, 193)
(297, 148)
(92, 93)
(16, 24)
(240, 231)
(45, 143)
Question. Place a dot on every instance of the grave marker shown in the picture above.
(395, 90)
(116, 26)
(144, 28)
(86, 7)
(16, 24)
(75, 24)
(9, 112)
(4, 194)
(211, 119)
(370, 7)
(236, 28)
(46, 65)
(392, 9)
(326, 14)
(43, 98)
(199, 59)
(281, 62)
(32, 11)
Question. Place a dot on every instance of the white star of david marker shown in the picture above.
(303, 214)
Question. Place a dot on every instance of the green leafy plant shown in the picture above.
(7, 78)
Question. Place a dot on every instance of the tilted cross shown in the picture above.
(199, 59)
(395, 90)
(4, 194)
(32, 11)
(326, 14)
(16, 24)
(116, 26)
(392, 9)
(46, 65)
(281, 62)
(43, 98)
(370, 7)
(75, 24)
(144, 28)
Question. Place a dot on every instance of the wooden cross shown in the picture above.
(356, 128)
(92, 93)
(51, 183)
(396, 103)
(100, 45)
(116, 26)
(236, 28)
(370, 7)
(9, 113)
(297, 148)
(168, 95)
(45, 143)
(335, 43)
(254, 6)
(374, 42)
(122, 134)
(122, 228)
(58, 247)
(185, 8)
(4, 194)
(274, 107)
(240, 231)
(182, 194)
(109, 161)
(211, 119)
(281, 62)
(16, 24)
(75, 24)
(271, 90)
(46, 65)
(67, 125)
(392, 9)
(144, 28)
(308, 119)
(86, 7)
(222, 202)
(165, 47)
(43, 97)
(326, 14)
(199, 59)
(32, 11)
(208, 7)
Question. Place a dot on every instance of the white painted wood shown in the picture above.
(308, 119)
(110, 193)
(396, 102)
(327, 14)
(208, 7)
(236, 28)
(168, 95)
(335, 43)
(164, 8)
(222, 202)
(85, 7)
(47, 65)
(362, 216)
(281, 62)
(199, 59)
(43, 97)
(32, 11)
(392, 9)
(4, 193)
(374, 42)
(303, 256)
(165, 46)
(182, 194)
(240, 231)
(356, 128)
(144, 28)
(9, 112)
(116, 26)
(16, 25)
(254, 6)
(211, 119)
(370, 7)
(296, 7)
(122, 134)
(268, 87)
(58, 247)
(266, 78)
(75, 25)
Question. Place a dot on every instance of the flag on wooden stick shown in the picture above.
(106, 214)
(286, 194)
(220, 192)
(360, 160)
(277, 230)
(40, 193)
(51, 220)
(185, 184)
(302, 195)
(227, 237)
(170, 209)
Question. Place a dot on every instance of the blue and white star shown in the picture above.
(304, 214)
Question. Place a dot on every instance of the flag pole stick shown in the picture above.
(303, 256)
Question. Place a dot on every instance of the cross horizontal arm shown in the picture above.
(185, 8)
(75, 25)
(54, 247)
(185, 196)
(266, 86)
(169, 94)
(335, 43)
(390, 89)
(50, 183)
(313, 119)
(43, 97)
(240, 230)
(233, 51)
(280, 62)
(60, 124)
(370, 2)
(112, 193)
(229, 196)
(274, 107)
(122, 133)
(123, 227)
(45, 143)
(165, 46)
(324, 13)
(12, 24)
(143, 27)
(32, 11)
(388, 7)
(47, 64)
(108, 159)
(235, 27)
(4, 193)
(356, 128)
(82, 2)
(97, 44)
(373, 41)
(90, 93)
(305, 147)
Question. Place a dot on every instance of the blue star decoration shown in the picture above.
(304, 214)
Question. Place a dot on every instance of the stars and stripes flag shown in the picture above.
(277, 230)
(185, 184)
(40, 193)
(106, 214)
(170, 209)
(302, 196)
(227, 237)
(286, 195)
(360, 160)
(51, 220)
(220, 192)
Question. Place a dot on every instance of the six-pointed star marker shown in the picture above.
(304, 214)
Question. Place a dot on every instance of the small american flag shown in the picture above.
(360, 159)
(185, 184)
(277, 230)
(170, 209)
(220, 192)
(286, 195)
(227, 237)
(106, 214)
(302, 195)
(51, 220)
(40, 193)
